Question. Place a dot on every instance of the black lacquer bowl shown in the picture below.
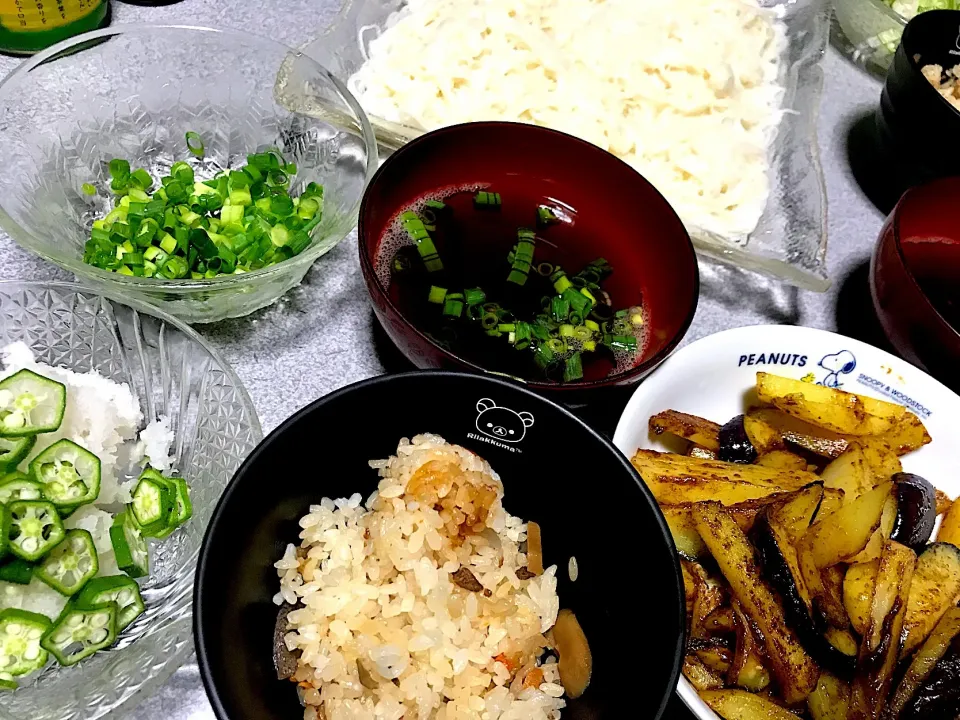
(588, 500)
(913, 120)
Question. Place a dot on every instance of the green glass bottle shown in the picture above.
(27, 26)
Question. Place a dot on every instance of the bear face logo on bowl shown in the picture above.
(502, 423)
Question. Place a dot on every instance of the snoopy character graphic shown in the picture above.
(837, 364)
(502, 423)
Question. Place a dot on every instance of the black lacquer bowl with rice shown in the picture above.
(591, 544)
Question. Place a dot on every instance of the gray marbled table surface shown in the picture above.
(321, 335)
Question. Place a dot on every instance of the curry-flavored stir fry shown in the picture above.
(815, 583)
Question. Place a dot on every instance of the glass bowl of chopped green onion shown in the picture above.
(134, 430)
(873, 27)
(198, 170)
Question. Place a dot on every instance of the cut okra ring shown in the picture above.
(69, 566)
(17, 486)
(34, 528)
(30, 404)
(21, 633)
(79, 633)
(70, 474)
(118, 589)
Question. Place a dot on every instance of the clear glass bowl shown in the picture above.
(872, 29)
(790, 240)
(133, 92)
(172, 372)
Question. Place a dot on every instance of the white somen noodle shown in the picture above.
(685, 91)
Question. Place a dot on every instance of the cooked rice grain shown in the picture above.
(376, 588)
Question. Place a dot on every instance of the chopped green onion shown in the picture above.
(199, 222)
(168, 244)
(453, 305)
(522, 259)
(174, 268)
(546, 216)
(590, 278)
(88, 189)
(556, 345)
(543, 355)
(437, 294)
(582, 333)
(474, 296)
(194, 143)
(573, 368)
(418, 233)
(540, 331)
(279, 236)
(522, 335)
(300, 243)
(307, 208)
(475, 311)
(579, 303)
(435, 205)
(119, 169)
(560, 280)
(622, 342)
(559, 308)
(485, 200)
(152, 253)
(142, 178)
(183, 172)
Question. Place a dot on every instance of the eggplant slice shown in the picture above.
(939, 696)
(925, 660)
(916, 510)
(735, 445)
(881, 643)
(780, 567)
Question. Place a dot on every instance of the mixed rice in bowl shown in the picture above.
(429, 600)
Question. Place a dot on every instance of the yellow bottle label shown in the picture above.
(33, 15)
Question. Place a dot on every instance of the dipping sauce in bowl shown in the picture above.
(519, 250)
(915, 278)
(503, 279)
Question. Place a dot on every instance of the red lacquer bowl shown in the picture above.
(626, 220)
(915, 271)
